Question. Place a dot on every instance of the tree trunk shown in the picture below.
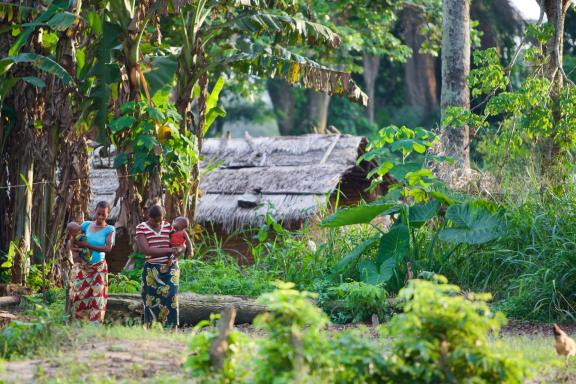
(23, 229)
(553, 49)
(455, 69)
(371, 67)
(192, 307)
(318, 104)
(420, 69)
(284, 104)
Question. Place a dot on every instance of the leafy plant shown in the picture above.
(295, 345)
(120, 283)
(415, 199)
(411, 201)
(443, 336)
(198, 362)
(356, 301)
(44, 329)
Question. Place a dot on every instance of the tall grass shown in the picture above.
(531, 271)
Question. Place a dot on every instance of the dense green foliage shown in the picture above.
(441, 336)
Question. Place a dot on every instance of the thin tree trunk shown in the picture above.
(284, 104)
(455, 70)
(23, 229)
(371, 67)
(420, 69)
(553, 49)
(318, 104)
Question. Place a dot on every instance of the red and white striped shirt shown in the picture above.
(156, 240)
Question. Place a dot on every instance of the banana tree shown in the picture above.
(248, 36)
(27, 59)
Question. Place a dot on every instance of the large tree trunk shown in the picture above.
(420, 69)
(371, 66)
(284, 104)
(318, 104)
(455, 70)
(192, 307)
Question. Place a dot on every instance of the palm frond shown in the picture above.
(296, 30)
(284, 5)
(278, 62)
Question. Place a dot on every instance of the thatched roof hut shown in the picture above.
(294, 177)
(290, 177)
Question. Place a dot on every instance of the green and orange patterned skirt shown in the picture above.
(160, 294)
(90, 291)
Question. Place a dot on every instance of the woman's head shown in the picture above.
(101, 212)
(156, 214)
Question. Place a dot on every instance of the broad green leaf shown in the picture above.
(394, 244)
(155, 114)
(35, 81)
(212, 99)
(362, 214)
(441, 196)
(212, 115)
(471, 225)
(61, 21)
(54, 8)
(353, 256)
(387, 269)
(381, 170)
(122, 123)
(43, 63)
(368, 272)
(161, 76)
(421, 213)
(147, 141)
(400, 171)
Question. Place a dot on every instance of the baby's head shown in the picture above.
(73, 228)
(180, 223)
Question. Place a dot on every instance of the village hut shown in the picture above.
(291, 178)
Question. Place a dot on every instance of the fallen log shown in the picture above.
(9, 300)
(193, 307)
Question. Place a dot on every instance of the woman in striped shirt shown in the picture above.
(161, 275)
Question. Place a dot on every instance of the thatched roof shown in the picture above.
(295, 176)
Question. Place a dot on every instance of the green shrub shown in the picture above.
(45, 330)
(443, 337)
(198, 361)
(295, 348)
(355, 301)
(121, 283)
(358, 359)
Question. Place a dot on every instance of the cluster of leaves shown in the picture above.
(148, 137)
(441, 336)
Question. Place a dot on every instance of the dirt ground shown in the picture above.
(136, 360)
(104, 360)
